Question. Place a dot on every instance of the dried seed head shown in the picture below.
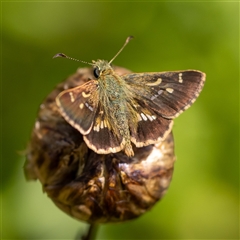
(89, 186)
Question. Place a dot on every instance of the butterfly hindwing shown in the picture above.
(169, 93)
(149, 126)
(102, 139)
(78, 105)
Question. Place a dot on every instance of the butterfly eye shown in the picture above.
(96, 72)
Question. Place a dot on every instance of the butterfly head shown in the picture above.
(101, 67)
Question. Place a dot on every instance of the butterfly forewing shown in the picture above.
(168, 93)
(78, 105)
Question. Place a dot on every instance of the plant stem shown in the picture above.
(91, 233)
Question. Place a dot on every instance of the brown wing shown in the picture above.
(102, 139)
(78, 105)
(147, 126)
(168, 93)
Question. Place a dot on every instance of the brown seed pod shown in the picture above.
(88, 186)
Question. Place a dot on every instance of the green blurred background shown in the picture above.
(202, 201)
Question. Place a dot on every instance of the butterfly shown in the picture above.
(112, 111)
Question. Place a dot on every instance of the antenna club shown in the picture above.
(65, 56)
(60, 55)
(126, 42)
(129, 38)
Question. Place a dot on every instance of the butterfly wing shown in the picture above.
(149, 126)
(102, 139)
(79, 105)
(158, 98)
(168, 93)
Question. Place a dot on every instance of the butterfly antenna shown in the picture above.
(126, 42)
(65, 56)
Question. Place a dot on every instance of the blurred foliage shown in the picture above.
(202, 201)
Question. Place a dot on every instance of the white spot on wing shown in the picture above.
(180, 77)
(155, 96)
(86, 95)
(96, 128)
(144, 117)
(159, 80)
(81, 105)
(170, 90)
(71, 97)
(88, 106)
(149, 117)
